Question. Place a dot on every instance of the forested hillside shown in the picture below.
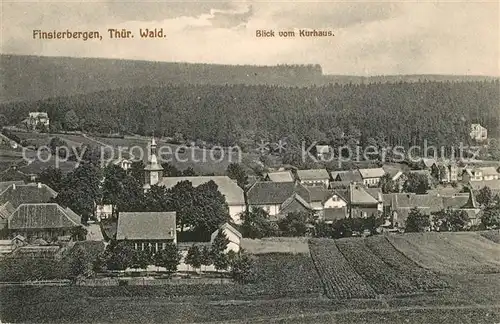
(401, 113)
(35, 77)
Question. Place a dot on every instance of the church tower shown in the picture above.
(153, 170)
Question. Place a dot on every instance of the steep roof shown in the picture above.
(319, 194)
(27, 193)
(314, 174)
(280, 176)
(226, 186)
(428, 162)
(360, 195)
(372, 173)
(295, 197)
(274, 193)
(40, 216)
(492, 184)
(146, 226)
(347, 176)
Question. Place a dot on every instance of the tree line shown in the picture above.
(390, 114)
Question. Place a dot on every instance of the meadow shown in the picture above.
(356, 280)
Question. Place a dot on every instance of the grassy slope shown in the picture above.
(449, 252)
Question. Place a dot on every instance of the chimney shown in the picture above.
(39, 185)
(13, 186)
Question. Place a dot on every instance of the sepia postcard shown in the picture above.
(250, 161)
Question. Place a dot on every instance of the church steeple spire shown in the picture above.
(153, 169)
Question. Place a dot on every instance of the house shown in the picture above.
(342, 179)
(399, 205)
(125, 164)
(271, 195)
(478, 133)
(371, 177)
(27, 193)
(6, 184)
(479, 174)
(363, 201)
(323, 201)
(103, 211)
(37, 118)
(42, 220)
(279, 176)
(294, 204)
(314, 177)
(147, 230)
(229, 188)
(232, 234)
(465, 202)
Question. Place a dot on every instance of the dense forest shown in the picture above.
(37, 77)
(397, 114)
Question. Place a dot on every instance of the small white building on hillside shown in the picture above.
(232, 234)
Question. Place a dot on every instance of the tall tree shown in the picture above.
(416, 221)
(485, 196)
(194, 257)
(71, 120)
(52, 177)
(168, 258)
(235, 171)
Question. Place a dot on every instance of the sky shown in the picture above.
(371, 38)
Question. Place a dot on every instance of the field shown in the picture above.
(339, 279)
(493, 235)
(275, 245)
(357, 280)
(450, 252)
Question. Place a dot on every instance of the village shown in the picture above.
(157, 223)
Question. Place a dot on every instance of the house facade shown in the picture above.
(480, 174)
(478, 133)
(314, 177)
(371, 177)
(37, 118)
(147, 230)
(364, 202)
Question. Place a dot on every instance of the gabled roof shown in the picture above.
(360, 195)
(297, 198)
(41, 216)
(274, 193)
(146, 226)
(486, 171)
(226, 186)
(27, 193)
(318, 194)
(372, 173)
(231, 228)
(314, 174)
(280, 176)
(347, 176)
(430, 203)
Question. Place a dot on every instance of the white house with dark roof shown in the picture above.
(229, 188)
(271, 195)
(232, 234)
(147, 230)
(478, 132)
(371, 177)
(480, 174)
(314, 177)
